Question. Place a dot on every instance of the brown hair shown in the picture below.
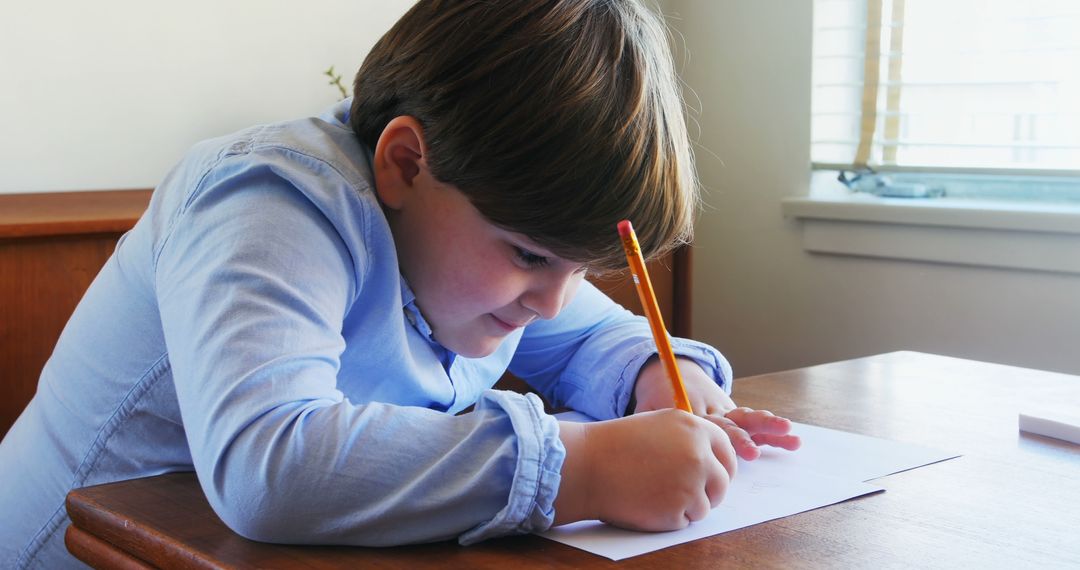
(557, 118)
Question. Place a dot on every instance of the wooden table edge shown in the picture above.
(98, 553)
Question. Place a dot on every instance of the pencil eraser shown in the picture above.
(625, 229)
(1052, 424)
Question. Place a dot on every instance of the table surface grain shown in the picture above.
(1011, 500)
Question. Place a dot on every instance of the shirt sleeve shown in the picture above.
(253, 283)
(588, 357)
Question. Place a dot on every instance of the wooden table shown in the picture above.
(1012, 500)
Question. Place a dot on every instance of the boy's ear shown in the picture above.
(399, 159)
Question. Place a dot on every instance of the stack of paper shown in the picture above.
(1058, 424)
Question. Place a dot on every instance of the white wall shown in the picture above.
(110, 94)
(768, 304)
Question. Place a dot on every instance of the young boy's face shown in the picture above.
(475, 283)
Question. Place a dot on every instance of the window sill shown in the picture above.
(1026, 236)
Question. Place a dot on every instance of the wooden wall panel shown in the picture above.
(51, 248)
(41, 281)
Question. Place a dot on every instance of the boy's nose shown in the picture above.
(547, 297)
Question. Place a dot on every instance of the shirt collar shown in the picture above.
(417, 320)
(339, 113)
(412, 312)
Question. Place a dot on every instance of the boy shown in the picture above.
(306, 307)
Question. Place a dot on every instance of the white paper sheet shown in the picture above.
(830, 467)
(850, 455)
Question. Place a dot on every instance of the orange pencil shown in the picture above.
(652, 311)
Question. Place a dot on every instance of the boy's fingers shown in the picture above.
(740, 440)
(698, 508)
(759, 421)
(788, 442)
(724, 450)
(716, 486)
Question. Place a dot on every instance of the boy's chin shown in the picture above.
(476, 348)
(479, 350)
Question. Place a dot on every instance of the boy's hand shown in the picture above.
(652, 471)
(747, 428)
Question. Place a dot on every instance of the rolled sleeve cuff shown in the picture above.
(540, 455)
(607, 394)
(709, 359)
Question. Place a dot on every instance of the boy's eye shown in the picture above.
(529, 258)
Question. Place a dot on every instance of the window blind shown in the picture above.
(947, 85)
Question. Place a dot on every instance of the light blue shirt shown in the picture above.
(254, 327)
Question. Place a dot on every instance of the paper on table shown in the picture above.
(852, 456)
(755, 496)
(830, 467)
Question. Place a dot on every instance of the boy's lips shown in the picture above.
(509, 325)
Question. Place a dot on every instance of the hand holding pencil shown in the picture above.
(746, 428)
(660, 468)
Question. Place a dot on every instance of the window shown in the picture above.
(967, 98)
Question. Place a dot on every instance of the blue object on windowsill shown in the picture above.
(871, 182)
